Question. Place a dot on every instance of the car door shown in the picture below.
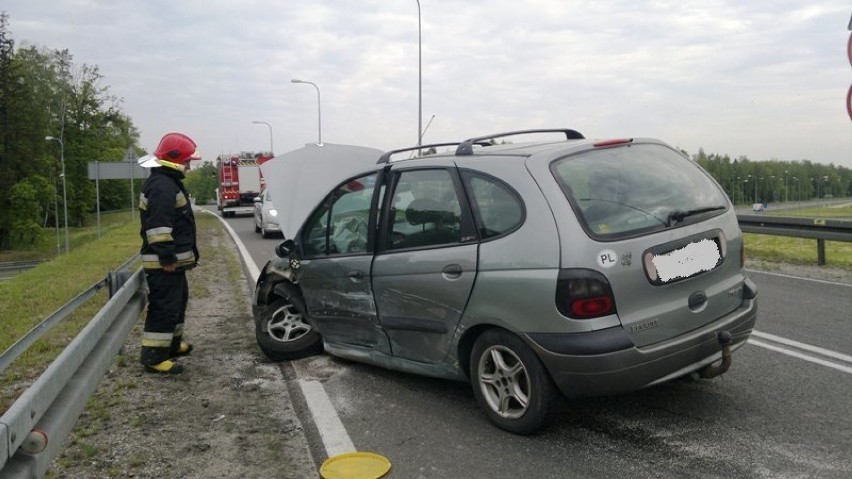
(426, 260)
(334, 272)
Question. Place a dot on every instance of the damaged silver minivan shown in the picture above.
(573, 266)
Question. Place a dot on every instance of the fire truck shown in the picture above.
(240, 181)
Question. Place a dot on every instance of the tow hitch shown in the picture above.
(711, 371)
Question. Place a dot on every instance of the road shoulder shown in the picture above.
(228, 415)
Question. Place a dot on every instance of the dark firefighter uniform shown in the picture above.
(168, 238)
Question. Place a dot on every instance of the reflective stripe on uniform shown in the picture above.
(186, 255)
(143, 202)
(159, 235)
(152, 261)
(180, 200)
(156, 340)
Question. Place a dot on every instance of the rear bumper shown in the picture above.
(239, 209)
(606, 362)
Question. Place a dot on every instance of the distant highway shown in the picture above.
(797, 205)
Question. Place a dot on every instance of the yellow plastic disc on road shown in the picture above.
(355, 465)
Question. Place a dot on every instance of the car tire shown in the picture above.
(282, 332)
(511, 384)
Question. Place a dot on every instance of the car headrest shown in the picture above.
(425, 210)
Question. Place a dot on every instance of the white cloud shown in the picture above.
(766, 79)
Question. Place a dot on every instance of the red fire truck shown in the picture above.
(240, 181)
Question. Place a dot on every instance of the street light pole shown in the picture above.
(786, 194)
(319, 108)
(736, 189)
(798, 189)
(756, 181)
(64, 192)
(271, 149)
(419, 78)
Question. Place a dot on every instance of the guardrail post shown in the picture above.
(821, 252)
(116, 280)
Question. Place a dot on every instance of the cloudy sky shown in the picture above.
(765, 78)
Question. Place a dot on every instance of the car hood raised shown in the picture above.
(300, 179)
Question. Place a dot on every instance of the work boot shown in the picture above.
(182, 349)
(166, 367)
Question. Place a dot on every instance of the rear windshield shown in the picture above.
(634, 189)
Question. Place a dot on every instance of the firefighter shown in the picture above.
(168, 251)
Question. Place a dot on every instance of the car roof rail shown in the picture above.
(465, 148)
(385, 158)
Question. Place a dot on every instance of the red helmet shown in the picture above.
(176, 148)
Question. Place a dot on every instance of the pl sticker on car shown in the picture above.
(607, 258)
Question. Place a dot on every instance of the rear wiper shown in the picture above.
(677, 216)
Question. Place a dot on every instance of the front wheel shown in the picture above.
(511, 384)
(283, 333)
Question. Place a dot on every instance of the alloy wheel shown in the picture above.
(504, 382)
(286, 324)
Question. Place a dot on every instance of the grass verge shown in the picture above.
(37, 293)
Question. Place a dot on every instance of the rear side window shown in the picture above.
(499, 208)
(634, 189)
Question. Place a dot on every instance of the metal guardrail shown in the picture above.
(813, 228)
(9, 269)
(34, 428)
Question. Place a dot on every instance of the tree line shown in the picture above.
(747, 181)
(43, 93)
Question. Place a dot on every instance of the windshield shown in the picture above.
(644, 187)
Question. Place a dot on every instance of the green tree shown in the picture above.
(43, 93)
(202, 182)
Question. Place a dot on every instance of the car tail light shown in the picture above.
(584, 294)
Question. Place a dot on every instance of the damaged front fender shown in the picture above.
(275, 272)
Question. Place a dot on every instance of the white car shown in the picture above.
(265, 215)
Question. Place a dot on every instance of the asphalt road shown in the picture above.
(783, 410)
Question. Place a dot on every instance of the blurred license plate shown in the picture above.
(684, 262)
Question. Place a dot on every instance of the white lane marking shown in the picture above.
(794, 354)
(789, 276)
(334, 436)
(804, 346)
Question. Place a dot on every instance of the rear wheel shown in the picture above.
(282, 332)
(511, 384)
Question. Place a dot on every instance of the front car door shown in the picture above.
(426, 260)
(336, 255)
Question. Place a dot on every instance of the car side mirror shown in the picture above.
(284, 249)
